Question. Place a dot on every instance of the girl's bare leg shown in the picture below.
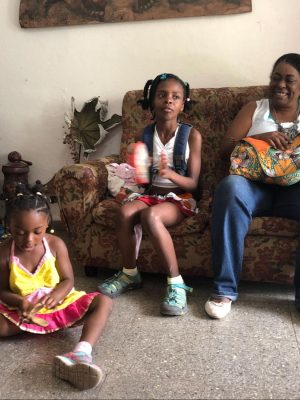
(155, 220)
(129, 278)
(76, 367)
(7, 328)
(128, 217)
(96, 319)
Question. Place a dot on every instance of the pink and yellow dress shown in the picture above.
(35, 285)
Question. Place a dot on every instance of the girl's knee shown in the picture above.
(122, 218)
(122, 213)
(126, 214)
(103, 303)
(149, 217)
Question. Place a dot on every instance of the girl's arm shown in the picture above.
(6, 295)
(65, 271)
(188, 183)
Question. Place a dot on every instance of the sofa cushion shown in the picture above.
(271, 226)
(104, 213)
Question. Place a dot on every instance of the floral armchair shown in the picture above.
(89, 212)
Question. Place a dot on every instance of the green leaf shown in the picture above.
(112, 122)
(86, 126)
(87, 118)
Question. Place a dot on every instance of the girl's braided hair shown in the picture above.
(151, 87)
(28, 198)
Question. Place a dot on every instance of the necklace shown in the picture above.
(291, 131)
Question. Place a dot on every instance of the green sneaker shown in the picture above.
(174, 302)
(120, 283)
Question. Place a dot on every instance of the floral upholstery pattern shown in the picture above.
(89, 213)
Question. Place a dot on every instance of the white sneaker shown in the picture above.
(217, 310)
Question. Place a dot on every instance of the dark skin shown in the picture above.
(155, 220)
(28, 228)
(284, 88)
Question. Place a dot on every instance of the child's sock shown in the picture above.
(130, 271)
(176, 279)
(84, 347)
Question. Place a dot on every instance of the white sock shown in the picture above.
(176, 279)
(84, 347)
(130, 271)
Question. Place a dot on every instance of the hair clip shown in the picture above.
(163, 76)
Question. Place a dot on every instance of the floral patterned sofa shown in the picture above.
(89, 213)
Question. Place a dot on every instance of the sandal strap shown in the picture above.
(118, 280)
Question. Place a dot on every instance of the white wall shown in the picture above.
(40, 69)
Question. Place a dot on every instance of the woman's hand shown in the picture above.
(277, 140)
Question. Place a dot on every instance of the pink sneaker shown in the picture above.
(77, 368)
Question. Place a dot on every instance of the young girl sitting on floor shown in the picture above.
(175, 149)
(36, 288)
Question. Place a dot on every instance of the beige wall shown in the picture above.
(42, 68)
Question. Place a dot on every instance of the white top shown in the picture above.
(168, 148)
(262, 120)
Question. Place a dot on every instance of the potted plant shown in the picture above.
(88, 127)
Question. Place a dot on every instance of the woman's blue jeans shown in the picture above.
(236, 201)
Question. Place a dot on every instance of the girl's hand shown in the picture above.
(164, 170)
(49, 300)
(26, 308)
(31, 317)
(277, 140)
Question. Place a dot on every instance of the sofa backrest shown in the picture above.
(212, 112)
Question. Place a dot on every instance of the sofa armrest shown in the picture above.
(79, 187)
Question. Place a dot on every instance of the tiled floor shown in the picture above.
(252, 354)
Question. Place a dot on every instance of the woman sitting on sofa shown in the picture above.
(237, 199)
